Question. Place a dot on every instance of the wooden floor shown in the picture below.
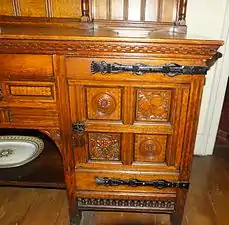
(207, 204)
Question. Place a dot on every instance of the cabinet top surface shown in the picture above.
(124, 35)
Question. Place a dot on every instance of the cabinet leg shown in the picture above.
(175, 220)
(76, 219)
(75, 214)
(177, 217)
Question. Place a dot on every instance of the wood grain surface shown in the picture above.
(206, 204)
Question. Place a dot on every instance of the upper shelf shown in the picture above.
(127, 13)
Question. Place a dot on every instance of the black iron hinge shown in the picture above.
(78, 127)
(78, 134)
(170, 69)
(160, 184)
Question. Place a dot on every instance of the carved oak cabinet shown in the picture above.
(126, 109)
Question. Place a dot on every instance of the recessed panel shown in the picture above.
(6, 8)
(104, 103)
(66, 8)
(150, 148)
(104, 146)
(153, 105)
(29, 91)
(33, 8)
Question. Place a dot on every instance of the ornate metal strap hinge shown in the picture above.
(160, 184)
(171, 69)
(78, 134)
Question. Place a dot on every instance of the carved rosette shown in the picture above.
(153, 105)
(150, 148)
(104, 104)
(104, 146)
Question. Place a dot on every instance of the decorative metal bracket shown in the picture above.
(171, 69)
(78, 134)
(160, 184)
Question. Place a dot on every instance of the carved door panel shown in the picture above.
(127, 125)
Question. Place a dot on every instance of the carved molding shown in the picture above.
(54, 134)
(96, 48)
(4, 115)
(126, 203)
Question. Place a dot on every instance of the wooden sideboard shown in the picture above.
(123, 111)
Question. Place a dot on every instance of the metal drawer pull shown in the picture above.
(171, 69)
(160, 184)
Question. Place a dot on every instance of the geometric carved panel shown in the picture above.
(30, 91)
(104, 103)
(153, 104)
(104, 146)
(150, 148)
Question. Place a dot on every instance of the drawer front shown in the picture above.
(28, 117)
(28, 91)
(82, 69)
(22, 65)
(92, 181)
(128, 124)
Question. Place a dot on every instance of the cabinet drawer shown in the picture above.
(81, 69)
(88, 181)
(26, 65)
(28, 117)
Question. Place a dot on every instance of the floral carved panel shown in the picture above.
(104, 146)
(153, 105)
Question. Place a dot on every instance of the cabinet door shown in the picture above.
(128, 125)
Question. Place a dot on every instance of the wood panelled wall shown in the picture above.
(41, 8)
(137, 10)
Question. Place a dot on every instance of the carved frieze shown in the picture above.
(127, 203)
(96, 48)
(104, 146)
(153, 105)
